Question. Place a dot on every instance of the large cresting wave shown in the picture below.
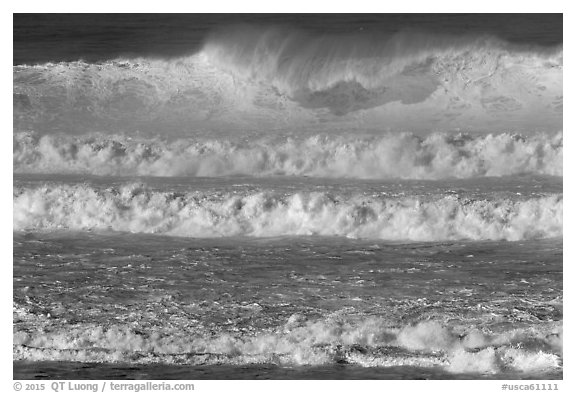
(404, 155)
(263, 79)
(135, 208)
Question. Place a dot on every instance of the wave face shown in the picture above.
(134, 208)
(404, 156)
(397, 68)
(260, 79)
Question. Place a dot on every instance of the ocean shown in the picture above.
(285, 196)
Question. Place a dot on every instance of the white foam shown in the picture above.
(371, 342)
(483, 362)
(265, 79)
(426, 336)
(403, 155)
(134, 208)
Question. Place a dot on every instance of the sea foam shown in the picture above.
(389, 156)
(259, 79)
(135, 208)
(372, 342)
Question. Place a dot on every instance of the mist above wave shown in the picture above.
(412, 65)
(266, 79)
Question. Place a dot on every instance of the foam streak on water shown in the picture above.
(122, 298)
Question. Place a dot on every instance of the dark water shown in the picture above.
(70, 370)
(41, 38)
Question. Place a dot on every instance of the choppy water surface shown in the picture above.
(451, 308)
(263, 302)
(369, 197)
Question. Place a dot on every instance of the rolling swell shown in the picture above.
(389, 156)
(135, 208)
(260, 79)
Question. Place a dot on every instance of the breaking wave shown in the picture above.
(263, 79)
(372, 342)
(403, 66)
(134, 208)
(404, 156)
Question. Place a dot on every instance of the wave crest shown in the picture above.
(405, 156)
(346, 73)
(135, 208)
(371, 342)
(264, 79)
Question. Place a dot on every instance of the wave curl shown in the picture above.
(259, 79)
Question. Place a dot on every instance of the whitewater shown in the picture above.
(279, 203)
(390, 156)
(258, 81)
(134, 208)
